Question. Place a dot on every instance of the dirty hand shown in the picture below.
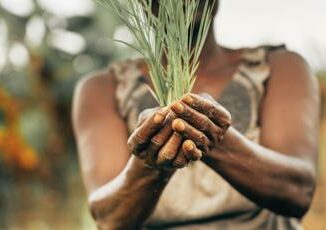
(158, 145)
(202, 120)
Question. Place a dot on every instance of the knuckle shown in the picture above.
(138, 138)
(157, 141)
(219, 132)
(165, 159)
(227, 121)
(204, 140)
(225, 114)
(228, 116)
(179, 163)
(136, 143)
(171, 115)
(165, 156)
(205, 124)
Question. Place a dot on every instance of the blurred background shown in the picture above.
(46, 46)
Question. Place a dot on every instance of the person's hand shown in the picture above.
(202, 120)
(158, 145)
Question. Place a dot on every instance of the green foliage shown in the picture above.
(166, 41)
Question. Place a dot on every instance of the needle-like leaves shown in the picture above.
(166, 41)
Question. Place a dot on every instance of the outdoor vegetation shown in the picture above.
(45, 48)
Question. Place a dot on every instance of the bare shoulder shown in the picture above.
(93, 83)
(291, 70)
(93, 97)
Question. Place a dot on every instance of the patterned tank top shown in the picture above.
(197, 197)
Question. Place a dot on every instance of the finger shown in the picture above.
(169, 151)
(190, 151)
(146, 114)
(217, 113)
(207, 96)
(189, 132)
(158, 140)
(198, 120)
(141, 136)
(180, 161)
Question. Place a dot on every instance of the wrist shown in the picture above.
(231, 143)
(138, 169)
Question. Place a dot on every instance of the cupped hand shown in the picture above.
(158, 144)
(202, 120)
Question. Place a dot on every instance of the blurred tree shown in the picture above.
(44, 49)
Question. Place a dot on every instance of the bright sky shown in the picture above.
(300, 24)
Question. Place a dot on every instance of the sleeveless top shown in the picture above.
(197, 197)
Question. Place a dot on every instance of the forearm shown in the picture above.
(128, 200)
(279, 182)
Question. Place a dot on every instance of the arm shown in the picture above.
(279, 174)
(121, 187)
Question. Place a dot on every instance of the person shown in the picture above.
(239, 152)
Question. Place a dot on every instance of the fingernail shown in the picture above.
(188, 145)
(178, 125)
(158, 118)
(177, 107)
(188, 99)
